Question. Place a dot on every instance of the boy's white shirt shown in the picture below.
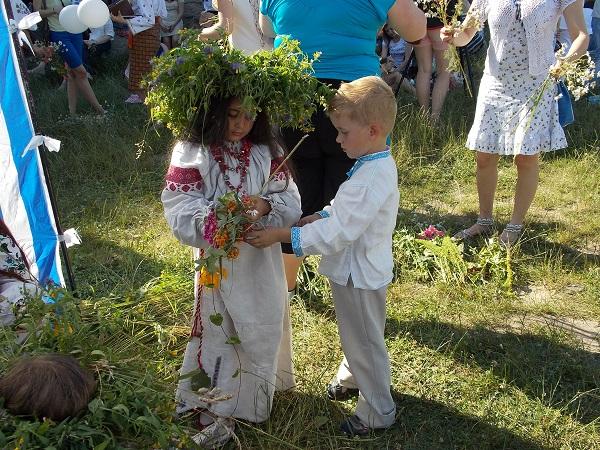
(356, 239)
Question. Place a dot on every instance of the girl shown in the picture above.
(228, 150)
(520, 54)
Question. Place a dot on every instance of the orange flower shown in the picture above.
(208, 279)
(231, 206)
(221, 238)
(233, 253)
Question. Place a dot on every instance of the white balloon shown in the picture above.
(69, 20)
(93, 13)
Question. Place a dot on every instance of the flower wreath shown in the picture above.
(184, 82)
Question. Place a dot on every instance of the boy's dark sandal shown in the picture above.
(353, 426)
(336, 391)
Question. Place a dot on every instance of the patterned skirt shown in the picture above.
(143, 49)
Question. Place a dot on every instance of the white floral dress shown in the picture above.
(506, 122)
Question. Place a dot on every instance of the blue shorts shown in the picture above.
(71, 47)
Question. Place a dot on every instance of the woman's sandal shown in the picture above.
(511, 235)
(486, 225)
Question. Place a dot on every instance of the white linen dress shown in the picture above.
(253, 297)
(506, 122)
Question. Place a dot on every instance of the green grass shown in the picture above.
(461, 377)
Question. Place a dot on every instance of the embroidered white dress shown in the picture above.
(506, 121)
(253, 297)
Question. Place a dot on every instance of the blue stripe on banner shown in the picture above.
(31, 185)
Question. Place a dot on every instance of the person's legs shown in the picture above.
(83, 85)
(423, 53)
(487, 179)
(528, 170)
(442, 79)
(72, 91)
(360, 314)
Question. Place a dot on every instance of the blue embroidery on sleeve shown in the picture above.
(323, 214)
(296, 242)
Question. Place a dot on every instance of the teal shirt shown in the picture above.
(344, 31)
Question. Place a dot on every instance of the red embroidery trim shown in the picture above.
(183, 179)
(283, 172)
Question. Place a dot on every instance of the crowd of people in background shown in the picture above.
(418, 68)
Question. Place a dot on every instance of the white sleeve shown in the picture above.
(354, 209)
(184, 200)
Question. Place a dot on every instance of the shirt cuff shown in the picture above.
(296, 242)
(323, 214)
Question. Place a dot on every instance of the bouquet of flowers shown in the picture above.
(52, 57)
(185, 81)
(451, 21)
(224, 226)
(578, 76)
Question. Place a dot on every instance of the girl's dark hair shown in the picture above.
(210, 129)
(53, 386)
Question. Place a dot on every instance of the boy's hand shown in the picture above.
(267, 237)
(309, 219)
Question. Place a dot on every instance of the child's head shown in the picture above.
(52, 385)
(364, 113)
(226, 120)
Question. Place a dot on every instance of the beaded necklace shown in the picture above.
(243, 157)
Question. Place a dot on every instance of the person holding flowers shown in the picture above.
(517, 112)
(354, 235)
(429, 49)
(228, 175)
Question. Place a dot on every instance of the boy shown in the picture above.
(354, 235)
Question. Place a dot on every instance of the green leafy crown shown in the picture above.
(184, 82)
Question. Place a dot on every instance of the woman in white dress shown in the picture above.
(520, 54)
(239, 19)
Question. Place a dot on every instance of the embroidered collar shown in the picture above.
(370, 157)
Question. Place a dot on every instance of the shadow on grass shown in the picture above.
(309, 421)
(426, 424)
(560, 376)
(104, 267)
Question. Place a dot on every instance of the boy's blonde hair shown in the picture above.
(367, 100)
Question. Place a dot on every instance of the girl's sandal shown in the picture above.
(511, 235)
(486, 225)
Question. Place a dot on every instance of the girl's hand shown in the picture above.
(309, 219)
(260, 207)
(267, 237)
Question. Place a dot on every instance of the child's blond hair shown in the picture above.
(367, 100)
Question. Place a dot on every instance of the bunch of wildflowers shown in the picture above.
(474, 19)
(184, 82)
(577, 74)
(52, 56)
(224, 226)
